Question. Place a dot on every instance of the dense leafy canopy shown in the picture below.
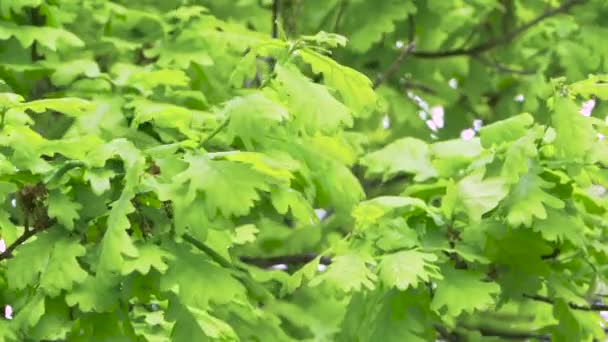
(196, 170)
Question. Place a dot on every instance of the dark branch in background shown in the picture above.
(506, 334)
(591, 307)
(554, 254)
(324, 260)
(394, 67)
(341, 9)
(36, 20)
(405, 51)
(501, 68)
(506, 38)
(418, 86)
(285, 259)
(275, 17)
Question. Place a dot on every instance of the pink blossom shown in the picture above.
(600, 136)
(467, 134)
(587, 107)
(2, 246)
(437, 116)
(8, 312)
(431, 124)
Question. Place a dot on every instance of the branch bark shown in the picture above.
(507, 38)
(591, 307)
(27, 234)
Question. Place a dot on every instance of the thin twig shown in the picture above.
(394, 67)
(505, 334)
(415, 85)
(207, 250)
(591, 307)
(27, 234)
(275, 17)
(501, 68)
(215, 132)
(507, 38)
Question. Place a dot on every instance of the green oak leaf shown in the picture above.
(408, 269)
(463, 291)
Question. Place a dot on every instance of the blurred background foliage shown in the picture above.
(479, 59)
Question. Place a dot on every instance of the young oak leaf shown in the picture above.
(355, 89)
(49, 262)
(196, 324)
(407, 155)
(517, 157)
(408, 269)
(311, 105)
(251, 117)
(528, 200)
(348, 273)
(215, 179)
(149, 256)
(478, 196)
(61, 207)
(560, 226)
(463, 291)
(198, 282)
(575, 135)
(506, 130)
(116, 243)
(49, 37)
(368, 212)
(70, 106)
(96, 293)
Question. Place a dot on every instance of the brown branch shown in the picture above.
(591, 307)
(27, 234)
(285, 259)
(507, 38)
(392, 69)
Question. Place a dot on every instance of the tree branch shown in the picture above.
(405, 51)
(591, 307)
(505, 334)
(508, 37)
(501, 68)
(27, 234)
(264, 262)
(207, 250)
(215, 132)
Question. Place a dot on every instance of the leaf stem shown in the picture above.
(207, 250)
(591, 307)
(215, 132)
